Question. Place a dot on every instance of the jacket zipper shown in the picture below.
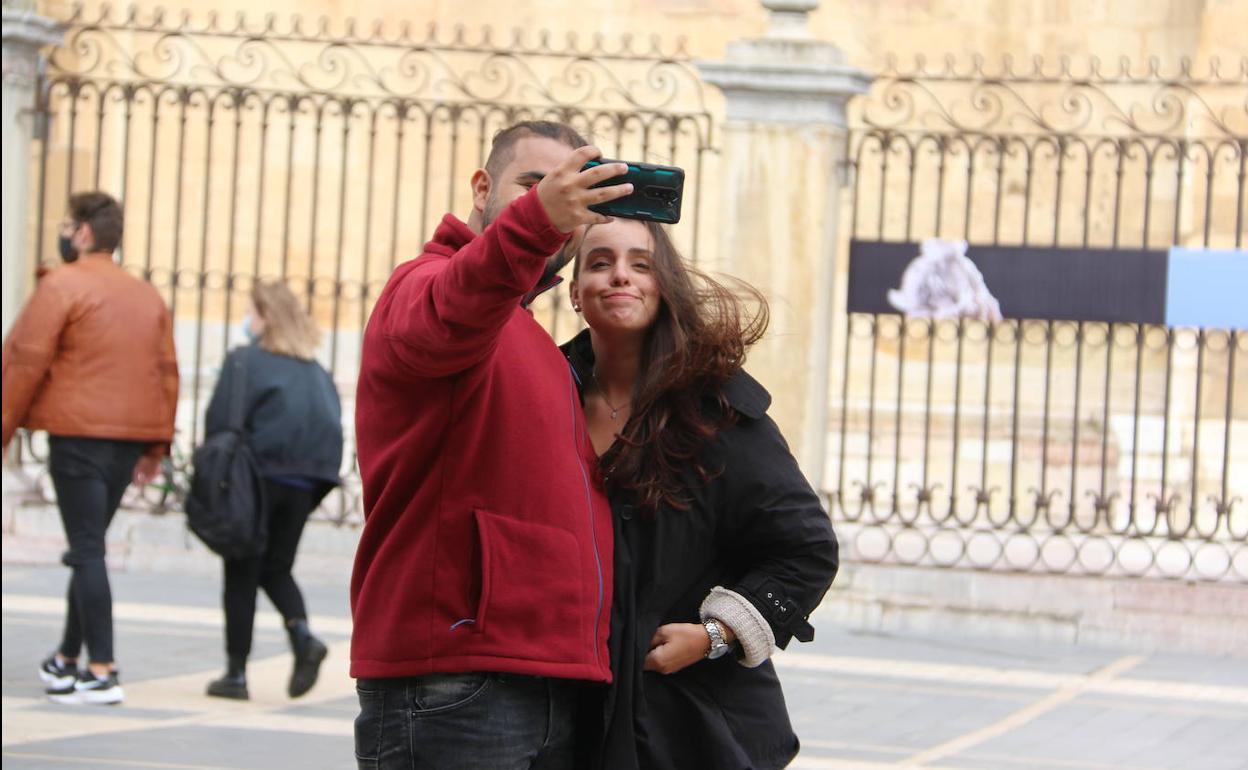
(593, 527)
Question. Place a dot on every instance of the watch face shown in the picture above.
(718, 651)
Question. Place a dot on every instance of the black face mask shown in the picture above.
(66, 245)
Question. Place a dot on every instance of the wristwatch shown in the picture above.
(718, 647)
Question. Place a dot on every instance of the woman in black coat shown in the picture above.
(722, 550)
(292, 421)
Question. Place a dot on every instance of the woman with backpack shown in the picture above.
(292, 423)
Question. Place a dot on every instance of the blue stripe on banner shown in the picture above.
(1207, 287)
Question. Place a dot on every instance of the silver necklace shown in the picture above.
(615, 410)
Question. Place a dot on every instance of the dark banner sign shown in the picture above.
(1124, 285)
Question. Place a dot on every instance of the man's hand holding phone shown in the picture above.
(566, 192)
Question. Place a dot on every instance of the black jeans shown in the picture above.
(89, 475)
(466, 721)
(288, 510)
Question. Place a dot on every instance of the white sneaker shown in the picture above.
(90, 690)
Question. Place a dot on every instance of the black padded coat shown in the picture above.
(756, 528)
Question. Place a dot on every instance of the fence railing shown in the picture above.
(1041, 445)
(246, 151)
(1054, 155)
(321, 156)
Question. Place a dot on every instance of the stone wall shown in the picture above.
(865, 29)
(772, 213)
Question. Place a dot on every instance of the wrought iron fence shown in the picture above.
(1042, 445)
(324, 157)
(250, 150)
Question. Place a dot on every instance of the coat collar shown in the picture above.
(451, 235)
(744, 393)
(540, 290)
(747, 395)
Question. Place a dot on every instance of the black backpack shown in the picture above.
(225, 507)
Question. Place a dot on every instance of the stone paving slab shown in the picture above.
(859, 701)
(31, 623)
(192, 747)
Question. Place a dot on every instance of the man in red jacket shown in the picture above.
(481, 594)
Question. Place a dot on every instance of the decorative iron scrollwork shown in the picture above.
(587, 74)
(1062, 99)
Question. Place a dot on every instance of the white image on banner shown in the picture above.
(943, 283)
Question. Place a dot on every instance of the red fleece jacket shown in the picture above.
(486, 542)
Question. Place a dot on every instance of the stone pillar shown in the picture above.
(781, 182)
(25, 32)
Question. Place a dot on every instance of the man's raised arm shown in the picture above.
(445, 315)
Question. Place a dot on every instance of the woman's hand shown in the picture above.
(146, 469)
(677, 645)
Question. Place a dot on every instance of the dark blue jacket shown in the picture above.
(293, 418)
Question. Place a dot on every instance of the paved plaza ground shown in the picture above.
(858, 700)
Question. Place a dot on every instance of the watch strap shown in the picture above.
(716, 633)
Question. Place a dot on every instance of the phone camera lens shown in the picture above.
(664, 194)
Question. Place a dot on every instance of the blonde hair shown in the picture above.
(288, 330)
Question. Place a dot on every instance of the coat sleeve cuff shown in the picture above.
(754, 634)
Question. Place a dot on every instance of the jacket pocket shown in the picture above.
(369, 727)
(434, 694)
(531, 584)
(484, 538)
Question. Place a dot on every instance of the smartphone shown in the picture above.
(656, 196)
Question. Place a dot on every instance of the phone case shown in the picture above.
(657, 192)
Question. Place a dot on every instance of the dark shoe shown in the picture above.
(309, 653)
(234, 683)
(90, 690)
(234, 687)
(57, 676)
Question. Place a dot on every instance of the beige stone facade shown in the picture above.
(868, 32)
(865, 29)
(336, 195)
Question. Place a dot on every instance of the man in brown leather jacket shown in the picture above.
(90, 360)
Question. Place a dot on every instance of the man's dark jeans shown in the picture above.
(90, 475)
(465, 722)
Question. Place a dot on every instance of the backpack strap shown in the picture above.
(238, 393)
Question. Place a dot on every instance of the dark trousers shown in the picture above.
(89, 475)
(467, 721)
(288, 510)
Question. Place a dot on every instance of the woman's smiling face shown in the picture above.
(616, 286)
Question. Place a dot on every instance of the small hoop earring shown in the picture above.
(576, 308)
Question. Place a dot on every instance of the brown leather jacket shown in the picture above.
(92, 355)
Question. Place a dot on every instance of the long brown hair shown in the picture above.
(697, 342)
(288, 330)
